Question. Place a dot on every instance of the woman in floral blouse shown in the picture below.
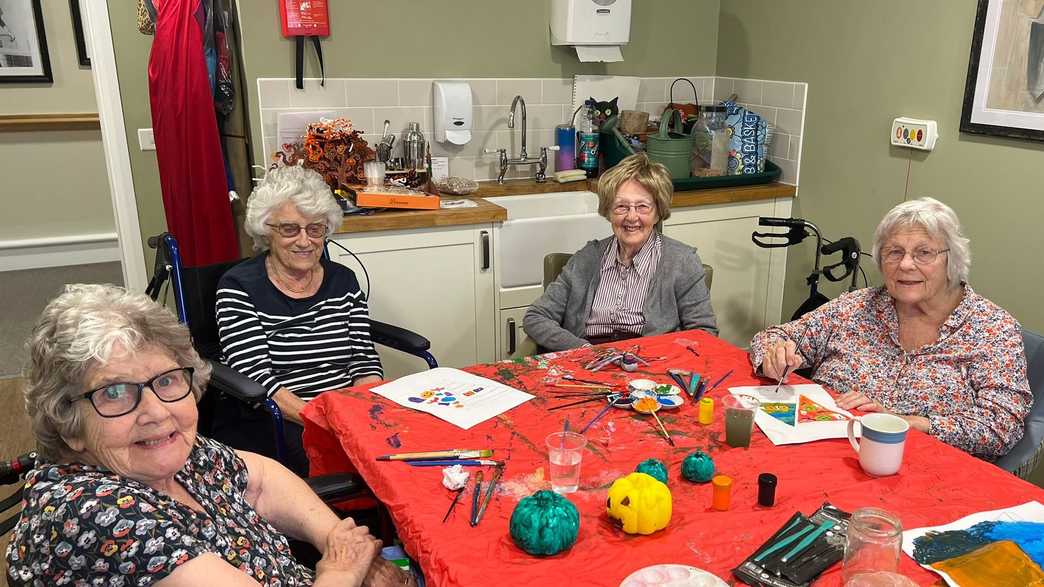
(126, 493)
(925, 346)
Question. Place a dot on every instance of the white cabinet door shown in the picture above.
(747, 287)
(512, 340)
(437, 282)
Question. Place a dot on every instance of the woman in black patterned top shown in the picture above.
(128, 494)
(288, 318)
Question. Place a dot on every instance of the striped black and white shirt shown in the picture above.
(307, 345)
(620, 298)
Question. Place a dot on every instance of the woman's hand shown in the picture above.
(350, 550)
(918, 423)
(857, 400)
(778, 357)
(386, 574)
(366, 379)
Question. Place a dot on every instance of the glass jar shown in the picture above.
(873, 545)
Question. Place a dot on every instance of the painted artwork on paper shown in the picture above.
(793, 414)
(1002, 547)
(453, 395)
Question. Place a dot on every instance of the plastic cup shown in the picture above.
(739, 419)
(565, 450)
(374, 171)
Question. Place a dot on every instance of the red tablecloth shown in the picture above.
(937, 483)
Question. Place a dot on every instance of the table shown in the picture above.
(347, 429)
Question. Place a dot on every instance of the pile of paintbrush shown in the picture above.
(799, 551)
(445, 458)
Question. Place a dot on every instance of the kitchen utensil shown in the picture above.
(413, 146)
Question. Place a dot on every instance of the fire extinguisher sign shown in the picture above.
(305, 18)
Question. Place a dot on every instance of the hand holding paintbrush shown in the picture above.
(783, 357)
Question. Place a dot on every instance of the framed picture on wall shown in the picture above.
(23, 44)
(83, 48)
(1004, 94)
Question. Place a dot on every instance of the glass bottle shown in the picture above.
(587, 146)
(872, 547)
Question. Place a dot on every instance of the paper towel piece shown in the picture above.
(606, 87)
(600, 53)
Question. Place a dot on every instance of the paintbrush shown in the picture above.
(453, 504)
(475, 496)
(451, 462)
(453, 453)
(576, 403)
(797, 347)
(662, 429)
(580, 385)
(578, 380)
(718, 382)
(489, 496)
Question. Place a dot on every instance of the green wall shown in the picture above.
(867, 63)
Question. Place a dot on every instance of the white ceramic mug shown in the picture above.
(883, 438)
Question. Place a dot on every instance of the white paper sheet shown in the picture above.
(1031, 511)
(453, 395)
(605, 88)
(801, 430)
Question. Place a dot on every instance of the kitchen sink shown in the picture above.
(538, 224)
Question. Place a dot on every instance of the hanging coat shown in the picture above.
(188, 148)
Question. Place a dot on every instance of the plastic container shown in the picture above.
(565, 138)
(587, 143)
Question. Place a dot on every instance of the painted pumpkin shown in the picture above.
(544, 523)
(640, 503)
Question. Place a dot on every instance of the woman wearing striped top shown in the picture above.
(288, 318)
(637, 282)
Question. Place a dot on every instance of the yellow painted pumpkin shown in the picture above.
(640, 502)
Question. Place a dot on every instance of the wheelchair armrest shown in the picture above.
(337, 486)
(233, 383)
(398, 338)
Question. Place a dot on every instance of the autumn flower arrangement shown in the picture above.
(334, 149)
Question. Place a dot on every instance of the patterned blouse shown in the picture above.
(84, 525)
(970, 383)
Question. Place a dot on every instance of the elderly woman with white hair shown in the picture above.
(126, 493)
(924, 347)
(292, 320)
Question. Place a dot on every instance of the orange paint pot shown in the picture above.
(722, 492)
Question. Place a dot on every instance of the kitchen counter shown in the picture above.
(486, 212)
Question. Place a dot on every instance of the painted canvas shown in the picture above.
(1000, 547)
(797, 413)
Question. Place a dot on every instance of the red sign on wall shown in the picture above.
(304, 18)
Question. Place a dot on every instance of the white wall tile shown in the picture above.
(795, 148)
(462, 167)
(790, 171)
(400, 116)
(529, 89)
(329, 95)
(483, 92)
(273, 93)
(480, 140)
(652, 89)
(800, 92)
(541, 116)
(767, 113)
(372, 92)
(489, 117)
(789, 121)
(557, 91)
(362, 119)
(750, 91)
(415, 92)
(778, 94)
(723, 88)
(780, 146)
(655, 109)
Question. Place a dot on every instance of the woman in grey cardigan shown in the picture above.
(637, 282)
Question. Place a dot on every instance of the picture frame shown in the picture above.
(83, 48)
(23, 43)
(1004, 91)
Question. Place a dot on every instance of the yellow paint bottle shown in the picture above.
(706, 411)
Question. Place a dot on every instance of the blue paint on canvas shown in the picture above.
(936, 546)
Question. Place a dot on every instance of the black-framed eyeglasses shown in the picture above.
(290, 230)
(117, 399)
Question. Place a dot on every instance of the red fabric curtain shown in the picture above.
(188, 148)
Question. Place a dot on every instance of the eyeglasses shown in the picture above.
(117, 399)
(641, 208)
(920, 256)
(290, 230)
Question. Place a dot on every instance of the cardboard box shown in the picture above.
(365, 198)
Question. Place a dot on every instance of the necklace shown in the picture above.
(283, 282)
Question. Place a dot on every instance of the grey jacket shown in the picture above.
(678, 298)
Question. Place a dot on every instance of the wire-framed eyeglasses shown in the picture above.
(895, 255)
(117, 399)
(290, 229)
(641, 208)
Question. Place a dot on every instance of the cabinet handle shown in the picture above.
(485, 249)
(511, 335)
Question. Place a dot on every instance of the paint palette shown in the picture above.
(673, 575)
(666, 400)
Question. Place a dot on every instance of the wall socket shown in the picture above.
(914, 133)
(146, 141)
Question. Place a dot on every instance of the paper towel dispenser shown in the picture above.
(452, 112)
(596, 28)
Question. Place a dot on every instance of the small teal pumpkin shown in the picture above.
(545, 523)
(698, 467)
(654, 468)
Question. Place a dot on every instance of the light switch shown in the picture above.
(145, 139)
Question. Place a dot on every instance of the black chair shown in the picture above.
(12, 472)
(1025, 456)
(195, 295)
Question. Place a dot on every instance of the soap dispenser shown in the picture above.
(452, 111)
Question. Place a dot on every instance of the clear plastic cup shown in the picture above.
(565, 450)
(739, 419)
(374, 171)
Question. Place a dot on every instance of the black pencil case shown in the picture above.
(765, 567)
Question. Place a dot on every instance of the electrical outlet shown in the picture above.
(914, 133)
(146, 141)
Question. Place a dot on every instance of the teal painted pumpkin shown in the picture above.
(698, 467)
(654, 468)
(545, 523)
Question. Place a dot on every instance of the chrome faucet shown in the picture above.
(523, 156)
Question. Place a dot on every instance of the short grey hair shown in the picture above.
(76, 334)
(289, 183)
(939, 221)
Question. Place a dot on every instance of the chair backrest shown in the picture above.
(555, 262)
(1023, 459)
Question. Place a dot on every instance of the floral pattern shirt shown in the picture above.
(85, 525)
(971, 383)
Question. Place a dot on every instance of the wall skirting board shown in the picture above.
(58, 251)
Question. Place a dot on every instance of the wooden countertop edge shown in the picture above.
(487, 212)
